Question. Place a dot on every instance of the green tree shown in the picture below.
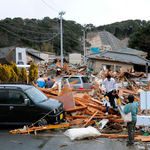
(13, 77)
(23, 75)
(6, 73)
(1, 73)
(140, 40)
(33, 72)
(47, 47)
(15, 68)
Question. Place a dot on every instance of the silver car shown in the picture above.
(83, 81)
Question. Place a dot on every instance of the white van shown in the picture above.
(25, 66)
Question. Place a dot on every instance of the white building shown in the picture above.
(75, 58)
(47, 56)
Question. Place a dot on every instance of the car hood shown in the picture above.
(49, 104)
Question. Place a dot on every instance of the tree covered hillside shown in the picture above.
(44, 35)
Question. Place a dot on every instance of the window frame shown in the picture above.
(19, 56)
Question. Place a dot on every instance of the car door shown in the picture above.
(18, 110)
(4, 106)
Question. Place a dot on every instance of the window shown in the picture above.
(118, 68)
(3, 97)
(19, 56)
(106, 67)
(85, 80)
(16, 97)
(36, 95)
(91, 65)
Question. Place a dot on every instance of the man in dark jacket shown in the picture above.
(110, 96)
(49, 83)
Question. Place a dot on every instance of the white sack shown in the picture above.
(81, 133)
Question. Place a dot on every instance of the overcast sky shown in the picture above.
(97, 12)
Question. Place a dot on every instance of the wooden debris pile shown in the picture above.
(85, 109)
(89, 110)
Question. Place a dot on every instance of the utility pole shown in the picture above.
(61, 34)
(84, 44)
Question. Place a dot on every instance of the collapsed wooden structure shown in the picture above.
(86, 109)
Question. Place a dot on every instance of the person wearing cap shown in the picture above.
(49, 83)
(110, 97)
(131, 107)
(109, 83)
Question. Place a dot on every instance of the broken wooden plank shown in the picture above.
(82, 90)
(97, 126)
(97, 101)
(98, 107)
(34, 129)
(98, 141)
(111, 136)
(80, 116)
(75, 109)
(143, 138)
(117, 120)
(90, 118)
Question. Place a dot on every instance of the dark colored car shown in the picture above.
(83, 81)
(25, 104)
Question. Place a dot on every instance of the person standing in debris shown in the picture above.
(110, 84)
(40, 81)
(110, 97)
(49, 83)
(131, 107)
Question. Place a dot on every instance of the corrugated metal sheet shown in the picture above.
(122, 57)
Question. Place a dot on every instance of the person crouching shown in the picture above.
(110, 97)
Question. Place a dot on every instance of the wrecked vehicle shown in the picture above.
(25, 104)
(83, 81)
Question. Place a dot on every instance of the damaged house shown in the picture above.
(114, 60)
(20, 56)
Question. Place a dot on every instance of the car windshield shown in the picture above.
(35, 94)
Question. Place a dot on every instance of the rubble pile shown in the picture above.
(84, 107)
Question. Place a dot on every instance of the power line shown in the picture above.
(25, 30)
(43, 41)
(49, 6)
(55, 5)
(12, 21)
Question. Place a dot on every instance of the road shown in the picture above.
(56, 140)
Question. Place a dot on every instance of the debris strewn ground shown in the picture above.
(84, 107)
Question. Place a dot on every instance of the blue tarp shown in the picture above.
(89, 70)
(95, 49)
(53, 65)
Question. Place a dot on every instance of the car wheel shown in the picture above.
(43, 122)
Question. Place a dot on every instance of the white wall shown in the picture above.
(75, 58)
(23, 52)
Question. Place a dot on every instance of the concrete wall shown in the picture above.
(99, 63)
(75, 58)
(47, 57)
(44, 56)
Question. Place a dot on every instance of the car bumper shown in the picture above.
(57, 118)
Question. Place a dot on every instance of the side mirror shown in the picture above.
(26, 101)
